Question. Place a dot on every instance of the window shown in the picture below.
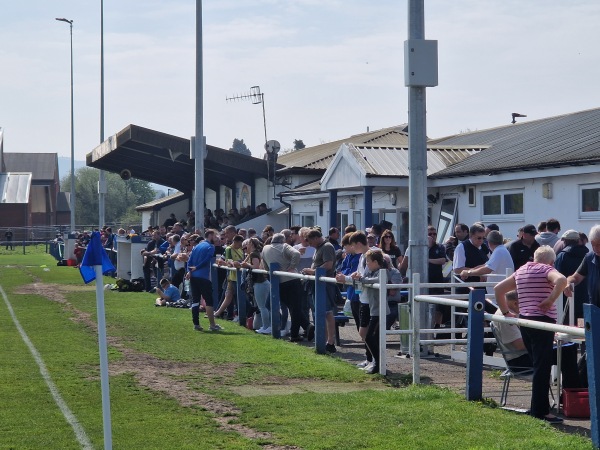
(308, 220)
(446, 222)
(342, 221)
(375, 217)
(502, 203)
(590, 200)
(357, 219)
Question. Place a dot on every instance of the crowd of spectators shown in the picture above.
(179, 259)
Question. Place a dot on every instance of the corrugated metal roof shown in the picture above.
(43, 166)
(393, 161)
(320, 156)
(163, 201)
(15, 187)
(556, 141)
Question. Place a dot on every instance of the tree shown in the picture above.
(121, 198)
(239, 147)
(298, 144)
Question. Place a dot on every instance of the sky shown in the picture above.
(328, 69)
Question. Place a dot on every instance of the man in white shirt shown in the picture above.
(495, 268)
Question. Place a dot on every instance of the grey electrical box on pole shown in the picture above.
(420, 61)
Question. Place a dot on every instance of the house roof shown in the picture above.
(43, 166)
(393, 161)
(165, 159)
(569, 139)
(320, 156)
(162, 202)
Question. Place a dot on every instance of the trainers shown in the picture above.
(264, 330)
(216, 327)
(283, 333)
(310, 333)
(198, 328)
(552, 419)
(363, 364)
(330, 348)
(372, 368)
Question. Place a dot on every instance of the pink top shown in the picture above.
(533, 288)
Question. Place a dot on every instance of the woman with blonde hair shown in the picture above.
(538, 286)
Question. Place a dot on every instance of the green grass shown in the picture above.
(311, 409)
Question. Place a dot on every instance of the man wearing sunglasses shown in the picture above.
(471, 252)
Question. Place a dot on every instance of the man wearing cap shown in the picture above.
(568, 261)
(497, 265)
(522, 250)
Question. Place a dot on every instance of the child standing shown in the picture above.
(375, 262)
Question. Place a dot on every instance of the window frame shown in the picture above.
(502, 194)
(588, 214)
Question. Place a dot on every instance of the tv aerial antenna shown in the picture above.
(256, 97)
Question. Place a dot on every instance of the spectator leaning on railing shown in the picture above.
(538, 286)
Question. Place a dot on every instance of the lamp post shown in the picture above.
(101, 176)
(72, 202)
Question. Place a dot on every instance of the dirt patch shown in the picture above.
(159, 375)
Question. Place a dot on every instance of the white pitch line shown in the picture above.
(67, 413)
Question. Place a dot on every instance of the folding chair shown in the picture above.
(523, 373)
(512, 371)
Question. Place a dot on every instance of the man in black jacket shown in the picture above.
(567, 262)
(522, 250)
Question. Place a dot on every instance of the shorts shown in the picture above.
(231, 286)
(331, 293)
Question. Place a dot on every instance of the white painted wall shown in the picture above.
(563, 206)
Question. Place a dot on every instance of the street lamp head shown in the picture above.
(62, 19)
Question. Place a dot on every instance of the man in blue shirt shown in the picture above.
(589, 269)
(199, 275)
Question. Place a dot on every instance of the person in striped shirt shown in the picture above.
(538, 286)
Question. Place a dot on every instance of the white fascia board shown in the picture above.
(386, 182)
(509, 176)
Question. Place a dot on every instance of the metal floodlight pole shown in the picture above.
(417, 145)
(72, 197)
(101, 176)
(198, 144)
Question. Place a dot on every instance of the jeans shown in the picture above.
(261, 295)
(372, 340)
(539, 346)
(147, 278)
